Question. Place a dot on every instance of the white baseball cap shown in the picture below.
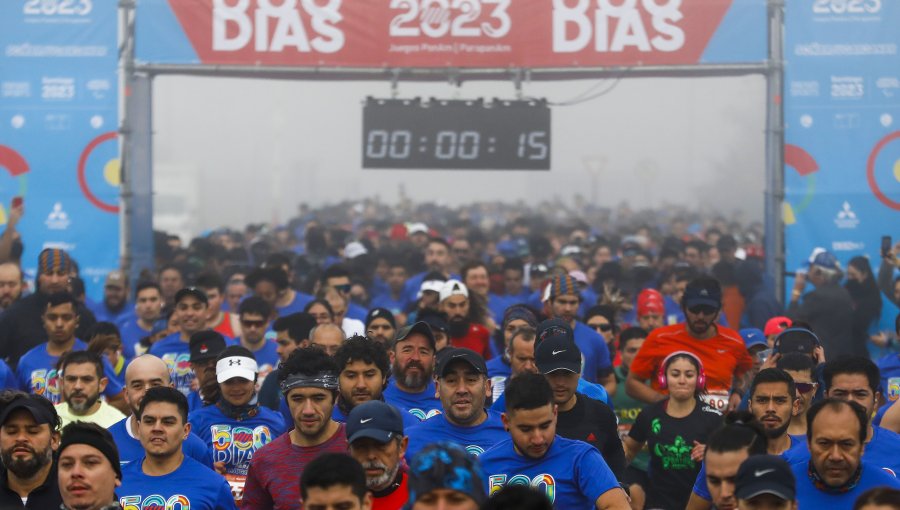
(236, 363)
(453, 288)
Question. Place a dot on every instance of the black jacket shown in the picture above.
(44, 497)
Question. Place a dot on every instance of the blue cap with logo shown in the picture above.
(375, 420)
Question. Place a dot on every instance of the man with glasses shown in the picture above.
(255, 316)
(720, 349)
(337, 277)
(800, 367)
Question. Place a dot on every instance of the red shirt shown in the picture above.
(724, 356)
(225, 327)
(396, 498)
(478, 338)
(273, 480)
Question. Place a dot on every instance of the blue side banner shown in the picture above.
(842, 113)
(58, 120)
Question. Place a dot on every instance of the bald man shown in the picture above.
(145, 372)
(327, 337)
(11, 284)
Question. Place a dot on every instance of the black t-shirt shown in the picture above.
(43, 497)
(670, 440)
(594, 423)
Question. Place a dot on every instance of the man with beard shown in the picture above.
(205, 347)
(83, 382)
(225, 426)
(309, 382)
(411, 388)
(381, 326)
(29, 435)
(836, 474)
(145, 372)
(773, 402)
(191, 307)
(375, 435)
(721, 350)
(114, 307)
(365, 369)
(11, 284)
(581, 478)
(22, 325)
(454, 301)
(562, 300)
(37, 372)
(464, 389)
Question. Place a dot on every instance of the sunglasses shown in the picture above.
(805, 387)
(344, 288)
(601, 327)
(703, 310)
(253, 324)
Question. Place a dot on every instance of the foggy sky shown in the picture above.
(254, 149)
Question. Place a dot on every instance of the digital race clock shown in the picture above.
(456, 134)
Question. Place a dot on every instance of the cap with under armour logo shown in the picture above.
(236, 361)
(375, 420)
(765, 474)
(558, 352)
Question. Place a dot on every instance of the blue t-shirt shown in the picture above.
(595, 391)
(130, 448)
(192, 485)
(808, 496)
(594, 352)
(234, 442)
(889, 367)
(266, 358)
(881, 451)
(297, 305)
(422, 405)
(572, 473)
(177, 354)
(797, 453)
(476, 440)
(386, 301)
(498, 371)
(103, 314)
(8, 377)
(131, 333)
(36, 373)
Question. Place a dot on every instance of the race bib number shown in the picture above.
(236, 482)
(717, 400)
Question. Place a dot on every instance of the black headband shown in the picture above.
(95, 439)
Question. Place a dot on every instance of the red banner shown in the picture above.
(438, 33)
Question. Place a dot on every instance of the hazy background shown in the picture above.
(232, 151)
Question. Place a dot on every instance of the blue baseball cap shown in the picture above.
(376, 420)
(753, 336)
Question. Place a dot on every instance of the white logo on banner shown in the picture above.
(58, 219)
(846, 218)
(575, 27)
(275, 26)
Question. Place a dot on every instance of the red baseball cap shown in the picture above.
(650, 301)
(776, 325)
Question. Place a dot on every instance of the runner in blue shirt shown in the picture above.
(572, 473)
(255, 316)
(837, 472)
(236, 426)
(464, 388)
(114, 307)
(36, 372)
(191, 308)
(143, 373)
(856, 378)
(7, 376)
(148, 305)
(499, 369)
(165, 477)
(412, 388)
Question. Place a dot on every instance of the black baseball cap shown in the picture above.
(41, 414)
(419, 327)
(697, 295)
(206, 345)
(798, 340)
(765, 474)
(191, 291)
(558, 352)
(376, 420)
(380, 313)
(437, 321)
(554, 327)
(460, 354)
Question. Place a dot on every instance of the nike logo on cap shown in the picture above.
(557, 352)
(365, 420)
(757, 474)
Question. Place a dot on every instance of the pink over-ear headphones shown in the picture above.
(661, 375)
